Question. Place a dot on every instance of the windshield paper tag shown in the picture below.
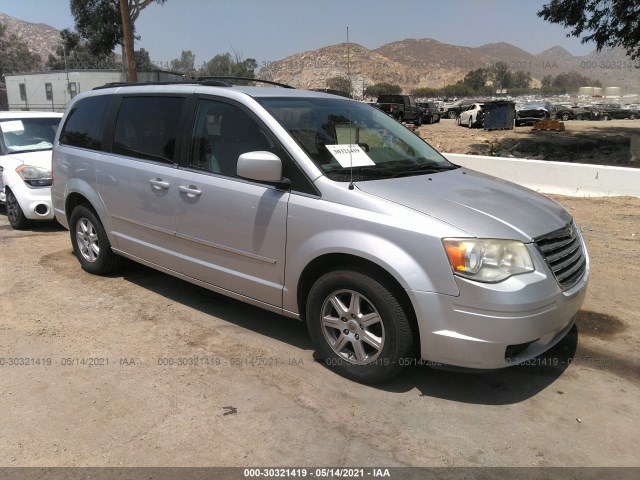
(350, 155)
(12, 126)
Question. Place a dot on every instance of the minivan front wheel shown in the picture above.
(90, 242)
(358, 327)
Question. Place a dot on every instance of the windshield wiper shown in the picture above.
(424, 168)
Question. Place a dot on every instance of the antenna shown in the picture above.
(349, 113)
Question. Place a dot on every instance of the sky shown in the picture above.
(269, 30)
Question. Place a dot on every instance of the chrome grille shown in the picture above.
(564, 254)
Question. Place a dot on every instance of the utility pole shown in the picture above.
(66, 68)
(127, 34)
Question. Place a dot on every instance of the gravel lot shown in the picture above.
(614, 142)
(99, 371)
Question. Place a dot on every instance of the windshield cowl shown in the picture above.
(382, 171)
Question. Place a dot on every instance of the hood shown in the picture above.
(481, 205)
(37, 159)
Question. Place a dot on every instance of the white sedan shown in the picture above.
(26, 140)
(472, 116)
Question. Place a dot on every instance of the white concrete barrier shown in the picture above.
(575, 179)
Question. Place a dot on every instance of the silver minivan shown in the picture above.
(322, 209)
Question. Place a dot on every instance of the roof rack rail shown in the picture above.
(212, 83)
(246, 79)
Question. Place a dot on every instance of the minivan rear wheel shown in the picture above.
(358, 327)
(90, 242)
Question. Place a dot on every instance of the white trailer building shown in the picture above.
(51, 91)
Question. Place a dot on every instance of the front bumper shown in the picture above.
(34, 202)
(491, 326)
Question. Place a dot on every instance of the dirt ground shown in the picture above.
(614, 142)
(100, 371)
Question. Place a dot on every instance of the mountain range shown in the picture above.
(409, 63)
(426, 62)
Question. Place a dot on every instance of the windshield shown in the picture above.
(22, 135)
(339, 134)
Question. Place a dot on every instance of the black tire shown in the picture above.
(458, 121)
(91, 245)
(15, 214)
(418, 121)
(452, 114)
(400, 117)
(565, 117)
(431, 120)
(390, 329)
(632, 116)
(605, 117)
(470, 122)
(578, 117)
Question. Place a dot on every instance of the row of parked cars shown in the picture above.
(309, 205)
(529, 113)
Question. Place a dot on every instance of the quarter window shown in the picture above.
(85, 123)
(146, 128)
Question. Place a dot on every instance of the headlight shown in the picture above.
(35, 176)
(487, 260)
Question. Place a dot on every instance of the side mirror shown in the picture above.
(260, 166)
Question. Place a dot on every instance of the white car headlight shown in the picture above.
(35, 176)
(487, 260)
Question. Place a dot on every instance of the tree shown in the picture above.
(521, 79)
(142, 60)
(78, 54)
(476, 80)
(186, 64)
(224, 65)
(340, 83)
(99, 23)
(608, 23)
(15, 55)
(104, 24)
(382, 88)
(502, 76)
(426, 92)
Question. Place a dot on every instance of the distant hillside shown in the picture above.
(40, 38)
(429, 63)
(409, 63)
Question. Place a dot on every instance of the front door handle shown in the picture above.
(158, 183)
(190, 191)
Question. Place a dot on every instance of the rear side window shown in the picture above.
(146, 128)
(85, 123)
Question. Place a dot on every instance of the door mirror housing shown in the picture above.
(260, 166)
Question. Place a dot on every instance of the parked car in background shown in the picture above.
(532, 112)
(401, 107)
(473, 116)
(26, 140)
(430, 112)
(571, 112)
(609, 111)
(452, 110)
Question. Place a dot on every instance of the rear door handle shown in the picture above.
(190, 191)
(158, 183)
